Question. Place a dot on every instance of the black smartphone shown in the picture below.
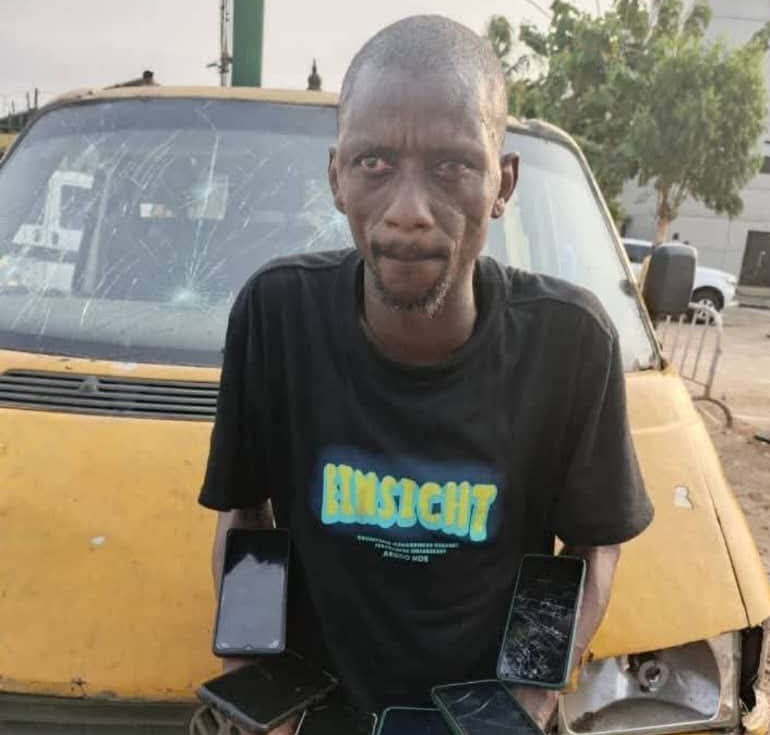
(251, 615)
(483, 708)
(336, 718)
(262, 695)
(412, 721)
(539, 636)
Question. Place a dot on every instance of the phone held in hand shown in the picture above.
(412, 721)
(539, 635)
(483, 708)
(336, 718)
(262, 695)
(251, 614)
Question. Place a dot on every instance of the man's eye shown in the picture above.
(374, 164)
(451, 169)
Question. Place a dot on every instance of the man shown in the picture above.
(416, 414)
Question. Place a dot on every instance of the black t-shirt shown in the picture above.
(411, 492)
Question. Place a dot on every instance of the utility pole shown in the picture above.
(248, 26)
(224, 42)
(223, 65)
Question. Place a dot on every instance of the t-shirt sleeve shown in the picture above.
(235, 466)
(603, 500)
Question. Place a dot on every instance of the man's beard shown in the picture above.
(429, 302)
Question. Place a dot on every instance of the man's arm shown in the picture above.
(260, 516)
(601, 562)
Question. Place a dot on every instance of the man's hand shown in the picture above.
(540, 703)
(601, 562)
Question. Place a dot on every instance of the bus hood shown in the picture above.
(696, 572)
(105, 574)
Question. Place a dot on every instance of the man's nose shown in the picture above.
(409, 207)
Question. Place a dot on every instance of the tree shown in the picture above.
(646, 96)
(697, 136)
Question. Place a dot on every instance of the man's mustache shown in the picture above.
(408, 251)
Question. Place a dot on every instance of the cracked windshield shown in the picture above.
(128, 229)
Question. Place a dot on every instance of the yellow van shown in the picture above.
(129, 219)
(5, 142)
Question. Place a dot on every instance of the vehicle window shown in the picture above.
(554, 225)
(636, 253)
(128, 227)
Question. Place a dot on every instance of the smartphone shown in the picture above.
(262, 695)
(251, 614)
(483, 708)
(539, 636)
(335, 718)
(412, 721)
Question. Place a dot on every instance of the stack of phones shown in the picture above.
(279, 684)
(536, 651)
(262, 695)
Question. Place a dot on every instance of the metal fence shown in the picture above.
(693, 343)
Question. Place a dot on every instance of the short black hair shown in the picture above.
(433, 43)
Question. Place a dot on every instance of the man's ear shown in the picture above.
(334, 180)
(509, 176)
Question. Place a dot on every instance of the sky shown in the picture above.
(57, 45)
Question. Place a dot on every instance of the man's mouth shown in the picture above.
(408, 252)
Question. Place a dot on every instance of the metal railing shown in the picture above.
(693, 343)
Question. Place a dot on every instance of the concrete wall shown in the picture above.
(720, 241)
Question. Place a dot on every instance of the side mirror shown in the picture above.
(668, 281)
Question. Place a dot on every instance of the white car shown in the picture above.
(712, 287)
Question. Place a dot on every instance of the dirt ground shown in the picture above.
(743, 382)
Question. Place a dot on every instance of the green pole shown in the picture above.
(248, 24)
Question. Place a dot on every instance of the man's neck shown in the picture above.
(414, 337)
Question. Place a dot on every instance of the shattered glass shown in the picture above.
(537, 643)
(127, 227)
(485, 708)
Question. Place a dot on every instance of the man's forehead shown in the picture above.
(394, 97)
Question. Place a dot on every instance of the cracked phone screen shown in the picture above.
(537, 643)
(485, 708)
(408, 721)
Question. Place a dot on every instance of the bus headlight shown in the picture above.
(689, 687)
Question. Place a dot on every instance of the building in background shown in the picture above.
(742, 245)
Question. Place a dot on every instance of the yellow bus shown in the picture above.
(129, 219)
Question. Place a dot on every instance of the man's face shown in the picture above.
(418, 174)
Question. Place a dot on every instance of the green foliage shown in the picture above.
(646, 96)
